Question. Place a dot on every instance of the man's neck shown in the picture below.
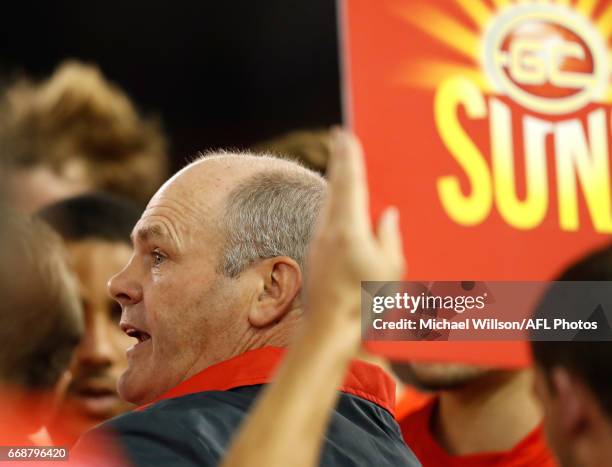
(277, 335)
(492, 413)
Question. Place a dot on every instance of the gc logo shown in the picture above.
(546, 58)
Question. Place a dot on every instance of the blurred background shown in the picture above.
(219, 74)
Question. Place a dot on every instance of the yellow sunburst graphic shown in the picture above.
(465, 35)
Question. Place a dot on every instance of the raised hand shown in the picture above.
(345, 249)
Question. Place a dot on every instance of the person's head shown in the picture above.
(96, 231)
(574, 381)
(76, 132)
(40, 316)
(217, 267)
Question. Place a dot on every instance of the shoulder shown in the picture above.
(186, 431)
(141, 439)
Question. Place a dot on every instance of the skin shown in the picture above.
(576, 425)
(172, 288)
(287, 425)
(473, 402)
(100, 358)
(30, 189)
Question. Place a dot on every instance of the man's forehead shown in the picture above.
(159, 227)
(194, 197)
(191, 198)
(196, 189)
(172, 220)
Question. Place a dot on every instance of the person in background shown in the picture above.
(40, 326)
(96, 232)
(574, 379)
(474, 417)
(76, 132)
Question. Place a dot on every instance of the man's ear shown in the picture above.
(281, 283)
(571, 406)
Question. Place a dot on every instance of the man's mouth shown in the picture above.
(141, 336)
(133, 331)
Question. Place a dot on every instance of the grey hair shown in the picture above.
(271, 213)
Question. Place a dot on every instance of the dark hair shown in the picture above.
(590, 361)
(95, 216)
(40, 313)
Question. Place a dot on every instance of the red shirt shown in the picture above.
(532, 451)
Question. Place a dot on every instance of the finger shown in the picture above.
(348, 195)
(390, 240)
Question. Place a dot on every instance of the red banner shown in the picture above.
(488, 123)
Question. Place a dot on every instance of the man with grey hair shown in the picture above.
(212, 295)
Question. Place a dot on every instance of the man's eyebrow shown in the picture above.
(148, 232)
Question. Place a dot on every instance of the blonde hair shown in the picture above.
(76, 118)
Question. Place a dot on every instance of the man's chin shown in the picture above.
(130, 390)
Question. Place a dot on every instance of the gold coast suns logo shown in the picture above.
(524, 110)
(546, 58)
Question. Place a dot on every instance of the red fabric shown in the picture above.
(500, 354)
(363, 379)
(410, 400)
(19, 414)
(16, 428)
(532, 451)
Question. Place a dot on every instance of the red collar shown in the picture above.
(363, 379)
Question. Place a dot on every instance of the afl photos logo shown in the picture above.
(545, 57)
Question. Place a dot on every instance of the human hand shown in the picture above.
(345, 250)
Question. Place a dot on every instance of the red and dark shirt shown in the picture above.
(193, 423)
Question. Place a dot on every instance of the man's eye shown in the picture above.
(158, 258)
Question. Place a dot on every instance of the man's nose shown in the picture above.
(124, 286)
(96, 348)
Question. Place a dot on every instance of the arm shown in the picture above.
(287, 424)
